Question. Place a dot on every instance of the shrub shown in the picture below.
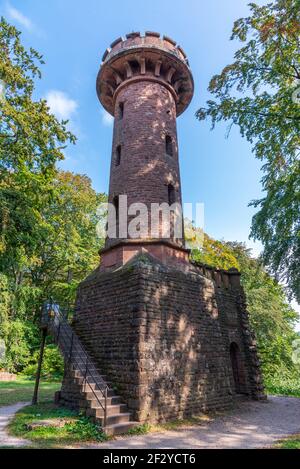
(52, 367)
(283, 383)
(85, 429)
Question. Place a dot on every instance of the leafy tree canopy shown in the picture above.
(31, 142)
(65, 254)
(48, 241)
(260, 92)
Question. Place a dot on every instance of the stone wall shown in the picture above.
(164, 338)
(70, 393)
(5, 376)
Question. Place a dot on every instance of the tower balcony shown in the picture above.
(149, 58)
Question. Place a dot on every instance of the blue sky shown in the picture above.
(73, 34)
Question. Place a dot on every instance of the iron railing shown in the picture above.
(75, 355)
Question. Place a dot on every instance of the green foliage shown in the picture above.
(258, 92)
(284, 383)
(61, 427)
(52, 366)
(31, 142)
(215, 253)
(292, 442)
(271, 317)
(48, 220)
(21, 390)
(139, 430)
(17, 346)
(68, 253)
(84, 429)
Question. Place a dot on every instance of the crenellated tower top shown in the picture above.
(149, 57)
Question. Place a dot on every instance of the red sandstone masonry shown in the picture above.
(145, 169)
(144, 82)
(172, 336)
(163, 338)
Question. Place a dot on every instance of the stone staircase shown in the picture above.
(97, 399)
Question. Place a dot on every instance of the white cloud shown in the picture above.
(107, 119)
(61, 105)
(19, 17)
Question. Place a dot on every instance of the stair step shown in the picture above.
(94, 404)
(96, 394)
(114, 419)
(80, 373)
(113, 400)
(119, 428)
(91, 382)
(111, 410)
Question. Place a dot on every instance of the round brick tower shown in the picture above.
(145, 82)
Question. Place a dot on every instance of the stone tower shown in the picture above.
(171, 335)
(145, 83)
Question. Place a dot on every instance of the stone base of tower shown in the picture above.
(172, 343)
(163, 251)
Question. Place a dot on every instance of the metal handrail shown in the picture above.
(72, 337)
(62, 331)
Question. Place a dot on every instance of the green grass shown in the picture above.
(292, 442)
(139, 430)
(68, 427)
(21, 390)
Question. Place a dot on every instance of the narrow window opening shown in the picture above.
(121, 110)
(118, 155)
(116, 205)
(169, 145)
(171, 194)
(135, 66)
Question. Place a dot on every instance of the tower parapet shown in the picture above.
(148, 57)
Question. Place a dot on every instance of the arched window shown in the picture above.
(118, 155)
(171, 194)
(121, 110)
(169, 145)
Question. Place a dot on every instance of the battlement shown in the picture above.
(223, 278)
(150, 38)
(148, 57)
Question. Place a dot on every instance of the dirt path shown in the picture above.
(6, 414)
(251, 425)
